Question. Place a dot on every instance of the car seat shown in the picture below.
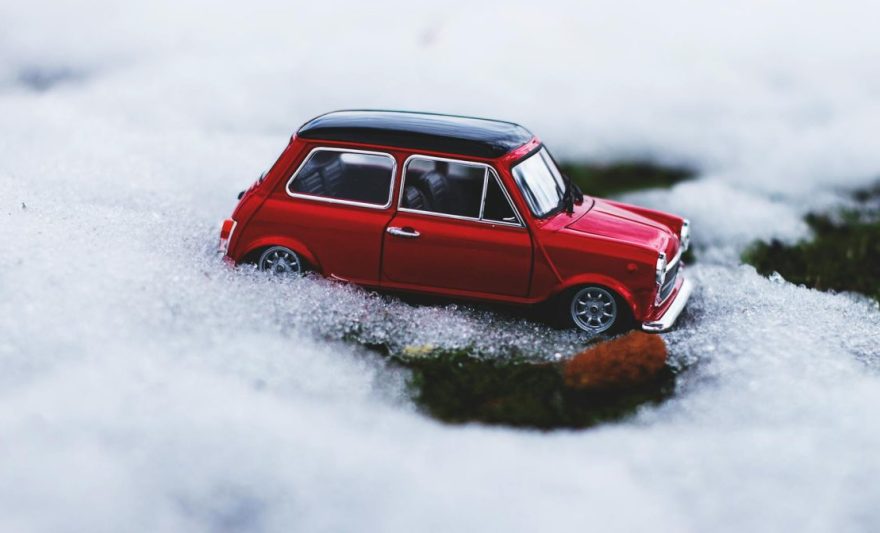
(430, 192)
(323, 175)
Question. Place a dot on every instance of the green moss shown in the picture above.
(456, 388)
(867, 194)
(843, 255)
(615, 178)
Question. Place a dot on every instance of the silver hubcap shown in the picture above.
(280, 260)
(593, 309)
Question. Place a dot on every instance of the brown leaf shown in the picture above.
(633, 359)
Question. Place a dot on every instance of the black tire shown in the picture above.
(593, 309)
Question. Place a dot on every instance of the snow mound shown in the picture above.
(145, 386)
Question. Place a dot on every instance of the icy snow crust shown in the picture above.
(146, 387)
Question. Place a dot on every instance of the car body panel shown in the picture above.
(458, 254)
(346, 243)
(616, 221)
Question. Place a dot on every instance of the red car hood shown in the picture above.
(617, 222)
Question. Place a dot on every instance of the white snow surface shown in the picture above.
(144, 386)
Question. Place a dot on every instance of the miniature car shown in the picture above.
(461, 207)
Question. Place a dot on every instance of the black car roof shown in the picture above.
(476, 137)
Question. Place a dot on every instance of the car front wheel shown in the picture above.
(595, 310)
(280, 261)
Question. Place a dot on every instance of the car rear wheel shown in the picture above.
(280, 261)
(595, 310)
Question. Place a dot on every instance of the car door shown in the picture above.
(456, 229)
(337, 204)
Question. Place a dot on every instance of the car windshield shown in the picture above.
(540, 182)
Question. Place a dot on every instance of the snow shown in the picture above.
(145, 386)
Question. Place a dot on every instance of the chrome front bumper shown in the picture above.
(668, 318)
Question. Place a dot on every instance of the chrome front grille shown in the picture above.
(669, 282)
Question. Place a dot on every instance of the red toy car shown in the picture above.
(461, 207)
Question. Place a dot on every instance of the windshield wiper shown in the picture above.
(570, 196)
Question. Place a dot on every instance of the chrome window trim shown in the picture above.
(488, 169)
(520, 222)
(483, 195)
(338, 200)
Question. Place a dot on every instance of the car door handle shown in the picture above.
(407, 233)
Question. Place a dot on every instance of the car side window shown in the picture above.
(346, 175)
(469, 190)
(445, 187)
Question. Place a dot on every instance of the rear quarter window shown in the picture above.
(349, 176)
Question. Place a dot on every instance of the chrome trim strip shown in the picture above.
(489, 168)
(457, 217)
(675, 260)
(336, 200)
(671, 315)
